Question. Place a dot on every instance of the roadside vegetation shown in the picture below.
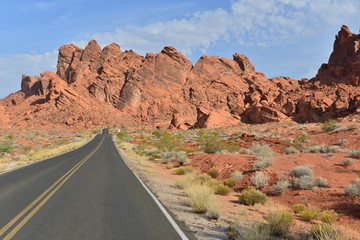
(195, 158)
(17, 149)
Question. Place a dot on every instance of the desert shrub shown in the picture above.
(310, 214)
(237, 175)
(328, 216)
(279, 222)
(357, 155)
(342, 142)
(213, 172)
(280, 187)
(199, 197)
(250, 196)
(230, 182)
(324, 231)
(299, 207)
(291, 150)
(302, 138)
(168, 142)
(211, 143)
(6, 146)
(186, 181)
(232, 146)
(353, 189)
(262, 162)
(168, 156)
(347, 162)
(213, 209)
(183, 170)
(329, 125)
(123, 136)
(246, 151)
(321, 182)
(260, 180)
(213, 182)
(202, 178)
(261, 149)
(304, 182)
(300, 171)
(256, 232)
(322, 149)
(182, 158)
(221, 189)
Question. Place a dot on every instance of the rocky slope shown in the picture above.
(96, 87)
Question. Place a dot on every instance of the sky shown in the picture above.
(289, 38)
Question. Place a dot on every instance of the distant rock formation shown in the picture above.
(96, 87)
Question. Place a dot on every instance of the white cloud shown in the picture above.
(13, 66)
(256, 22)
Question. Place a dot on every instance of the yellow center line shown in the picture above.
(53, 188)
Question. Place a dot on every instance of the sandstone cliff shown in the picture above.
(96, 87)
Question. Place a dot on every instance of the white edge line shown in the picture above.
(45, 159)
(162, 208)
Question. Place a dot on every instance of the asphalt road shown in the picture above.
(87, 194)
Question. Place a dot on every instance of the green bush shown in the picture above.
(328, 216)
(221, 189)
(300, 171)
(183, 170)
(310, 214)
(213, 172)
(279, 221)
(299, 207)
(250, 196)
(123, 136)
(6, 146)
(231, 182)
(329, 125)
(211, 143)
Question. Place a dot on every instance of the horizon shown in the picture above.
(280, 37)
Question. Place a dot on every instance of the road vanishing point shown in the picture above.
(88, 193)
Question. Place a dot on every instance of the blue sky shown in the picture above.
(281, 37)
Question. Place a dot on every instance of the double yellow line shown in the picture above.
(26, 214)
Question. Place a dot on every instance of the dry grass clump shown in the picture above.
(184, 170)
(280, 222)
(213, 172)
(299, 207)
(325, 231)
(250, 196)
(264, 156)
(347, 162)
(310, 214)
(238, 175)
(328, 216)
(291, 150)
(199, 197)
(231, 182)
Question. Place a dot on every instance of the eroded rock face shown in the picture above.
(109, 87)
(344, 62)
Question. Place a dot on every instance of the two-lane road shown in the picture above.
(88, 194)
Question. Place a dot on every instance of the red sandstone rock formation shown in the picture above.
(96, 87)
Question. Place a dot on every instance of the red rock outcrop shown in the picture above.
(344, 62)
(96, 87)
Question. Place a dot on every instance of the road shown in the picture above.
(88, 193)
